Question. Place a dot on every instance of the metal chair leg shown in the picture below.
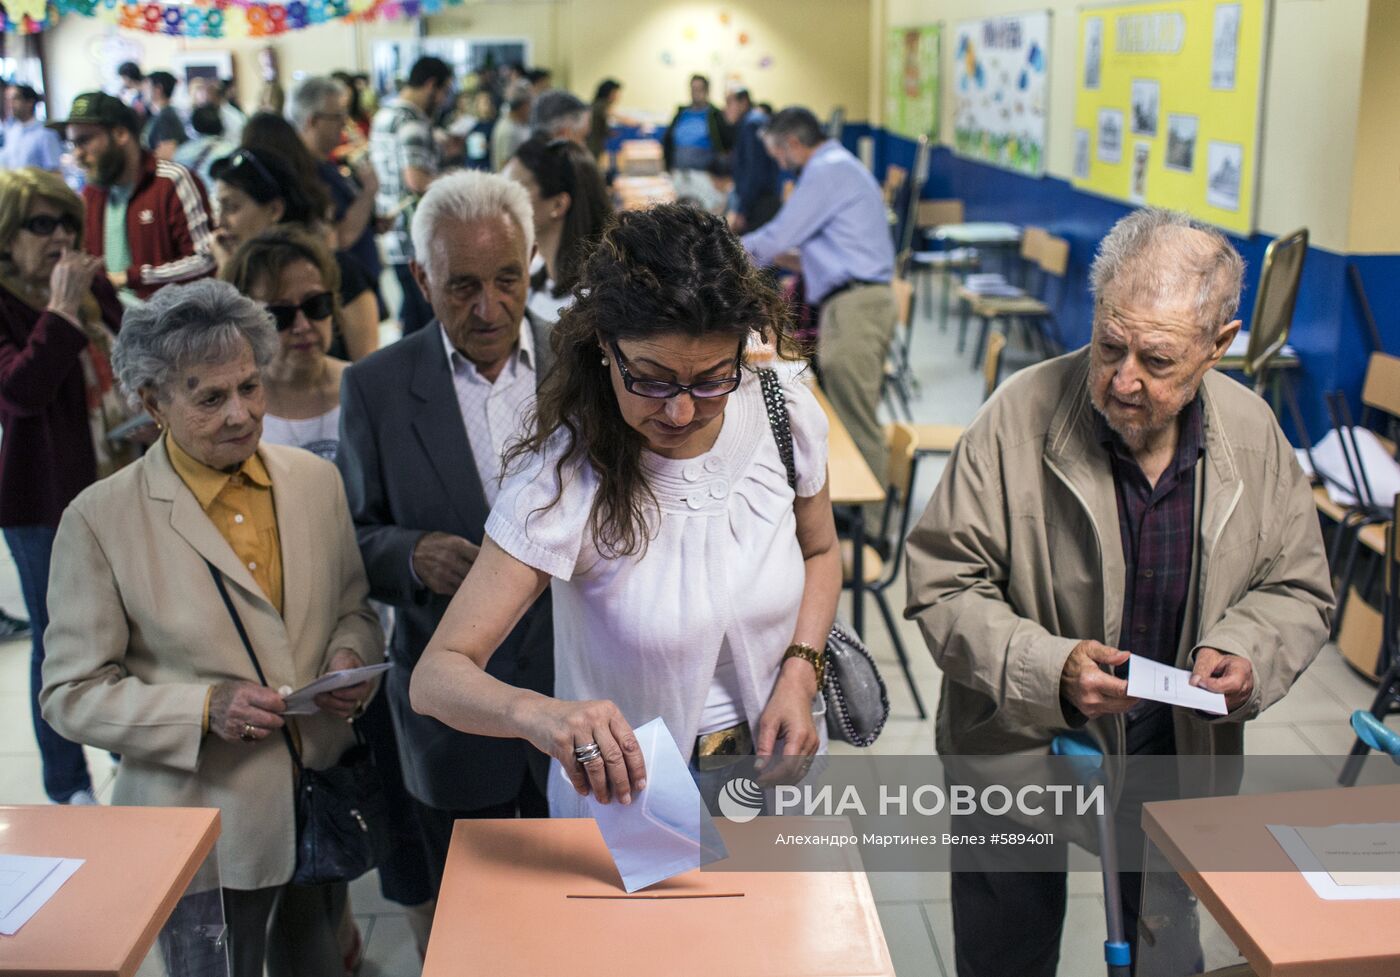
(899, 651)
(1386, 701)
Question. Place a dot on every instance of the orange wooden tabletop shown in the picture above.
(137, 862)
(540, 898)
(1273, 916)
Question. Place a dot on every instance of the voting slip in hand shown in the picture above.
(1148, 679)
(302, 702)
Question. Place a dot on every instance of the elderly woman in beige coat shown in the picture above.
(144, 658)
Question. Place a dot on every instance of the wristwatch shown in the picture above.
(811, 656)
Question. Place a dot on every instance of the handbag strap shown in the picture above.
(779, 421)
(252, 655)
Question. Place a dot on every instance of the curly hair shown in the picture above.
(671, 270)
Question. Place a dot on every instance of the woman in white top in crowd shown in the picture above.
(688, 580)
(571, 207)
(295, 277)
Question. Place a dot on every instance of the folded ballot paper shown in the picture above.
(302, 702)
(666, 830)
(1148, 679)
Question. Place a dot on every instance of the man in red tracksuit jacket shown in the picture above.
(168, 228)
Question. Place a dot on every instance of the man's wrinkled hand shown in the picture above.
(1090, 689)
(1230, 675)
(442, 561)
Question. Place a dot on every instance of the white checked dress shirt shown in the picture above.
(494, 414)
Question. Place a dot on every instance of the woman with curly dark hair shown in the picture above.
(689, 580)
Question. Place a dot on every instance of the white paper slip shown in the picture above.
(21, 875)
(302, 701)
(1328, 858)
(1148, 679)
(666, 830)
(41, 894)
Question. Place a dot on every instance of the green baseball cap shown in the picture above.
(100, 109)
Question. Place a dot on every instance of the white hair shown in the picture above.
(470, 195)
(310, 97)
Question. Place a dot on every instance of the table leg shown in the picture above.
(947, 287)
(858, 571)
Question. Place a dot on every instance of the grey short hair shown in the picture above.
(470, 195)
(204, 322)
(1211, 266)
(557, 111)
(310, 97)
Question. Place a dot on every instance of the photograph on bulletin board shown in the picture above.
(913, 70)
(1168, 105)
(1000, 71)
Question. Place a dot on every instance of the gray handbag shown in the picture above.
(857, 703)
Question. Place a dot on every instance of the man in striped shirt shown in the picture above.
(147, 218)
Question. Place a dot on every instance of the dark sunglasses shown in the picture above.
(42, 225)
(665, 390)
(243, 158)
(314, 307)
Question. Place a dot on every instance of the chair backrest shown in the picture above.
(1031, 240)
(1278, 294)
(900, 469)
(936, 213)
(991, 362)
(903, 300)
(1381, 391)
(1053, 255)
(895, 175)
(908, 215)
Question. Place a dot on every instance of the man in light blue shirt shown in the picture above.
(27, 142)
(835, 219)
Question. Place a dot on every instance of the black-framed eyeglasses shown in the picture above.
(314, 307)
(43, 225)
(665, 389)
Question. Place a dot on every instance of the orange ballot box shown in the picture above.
(1256, 902)
(138, 863)
(542, 898)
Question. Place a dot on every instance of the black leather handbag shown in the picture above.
(857, 704)
(336, 807)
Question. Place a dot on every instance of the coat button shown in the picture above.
(719, 489)
(691, 472)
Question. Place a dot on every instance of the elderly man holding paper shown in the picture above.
(1122, 500)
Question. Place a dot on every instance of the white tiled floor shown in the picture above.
(914, 909)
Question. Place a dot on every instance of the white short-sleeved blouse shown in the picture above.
(723, 569)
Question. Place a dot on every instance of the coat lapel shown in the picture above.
(191, 523)
(299, 549)
(1223, 486)
(441, 431)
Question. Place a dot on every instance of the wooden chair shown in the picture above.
(907, 208)
(941, 439)
(931, 215)
(895, 175)
(1048, 256)
(900, 385)
(880, 572)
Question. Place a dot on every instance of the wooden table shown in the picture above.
(852, 484)
(542, 897)
(137, 864)
(1273, 916)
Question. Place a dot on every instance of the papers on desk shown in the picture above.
(1346, 861)
(992, 285)
(1382, 470)
(26, 884)
(302, 702)
(666, 830)
(1148, 679)
(1240, 345)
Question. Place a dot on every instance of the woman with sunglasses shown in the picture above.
(296, 279)
(571, 208)
(254, 191)
(689, 580)
(58, 316)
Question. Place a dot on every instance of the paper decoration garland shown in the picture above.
(210, 18)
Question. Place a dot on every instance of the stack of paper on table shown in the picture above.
(1346, 861)
(26, 883)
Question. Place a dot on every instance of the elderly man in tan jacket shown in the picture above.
(1122, 498)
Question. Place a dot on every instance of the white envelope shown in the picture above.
(302, 702)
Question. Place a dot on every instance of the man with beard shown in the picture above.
(146, 218)
(1122, 498)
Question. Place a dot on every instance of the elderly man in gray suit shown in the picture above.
(423, 425)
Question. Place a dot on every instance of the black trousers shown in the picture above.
(415, 312)
(436, 823)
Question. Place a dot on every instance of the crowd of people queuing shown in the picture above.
(566, 439)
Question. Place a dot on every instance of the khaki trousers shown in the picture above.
(855, 329)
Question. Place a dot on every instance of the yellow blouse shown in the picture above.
(240, 506)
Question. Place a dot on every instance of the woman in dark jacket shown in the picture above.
(58, 316)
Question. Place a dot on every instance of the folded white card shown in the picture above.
(1345, 861)
(666, 830)
(302, 702)
(1148, 679)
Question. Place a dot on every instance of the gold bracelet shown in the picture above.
(809, 655)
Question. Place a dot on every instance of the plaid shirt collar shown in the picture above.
(1190, 443)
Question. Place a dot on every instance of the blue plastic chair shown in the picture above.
(1088, 765)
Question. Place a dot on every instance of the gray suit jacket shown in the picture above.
(409, 469)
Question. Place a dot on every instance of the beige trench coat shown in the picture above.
(138, 633)
(1018, 557)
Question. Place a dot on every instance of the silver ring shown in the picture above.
(587, 753)
(248, 730)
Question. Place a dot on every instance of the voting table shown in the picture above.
(540, 898)
(1269, 915)
(139, 863)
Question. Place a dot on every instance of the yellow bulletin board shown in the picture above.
(1167, 105)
